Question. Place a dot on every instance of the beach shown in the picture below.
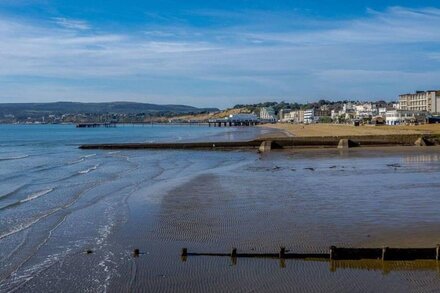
(322, 129)
(54, 208)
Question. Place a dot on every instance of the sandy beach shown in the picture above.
(321, 129)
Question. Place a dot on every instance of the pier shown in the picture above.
(232, 122)
(94, 125)
(235, 120)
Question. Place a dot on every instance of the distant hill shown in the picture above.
(42, 109)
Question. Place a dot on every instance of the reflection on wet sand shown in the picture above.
(422, 158)
(385, 267)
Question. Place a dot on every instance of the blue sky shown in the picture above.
(216, 53)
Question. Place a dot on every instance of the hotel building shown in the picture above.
(428, 101)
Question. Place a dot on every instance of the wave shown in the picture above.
(36, 195)
(14, 158)
(32, 196)
(24, 226)
(88, 156)
(21, 227)
(6, 195)
(77, 161)
(89, 169)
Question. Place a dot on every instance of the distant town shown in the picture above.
(413, 108)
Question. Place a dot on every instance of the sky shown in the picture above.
(217, 53)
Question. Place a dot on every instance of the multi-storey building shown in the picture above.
(296, 116)
(267, 114)
(428, 101)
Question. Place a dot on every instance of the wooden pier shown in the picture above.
(232, 122)
(94, 125)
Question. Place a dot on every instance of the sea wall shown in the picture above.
(282, 142)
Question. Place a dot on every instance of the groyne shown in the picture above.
(339, 253)
(267, 144)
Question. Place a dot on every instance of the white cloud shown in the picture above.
(71, 23)
(372, 54)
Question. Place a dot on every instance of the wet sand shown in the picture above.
(274, 201)
(349, 199)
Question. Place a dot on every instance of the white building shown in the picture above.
(428, 101)
(347, 107)
(398, 117)
(382, 111)
(268, 114)
(309, 116)
(296, 116)
(366, 110)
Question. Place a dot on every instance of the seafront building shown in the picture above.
(366, 111)
(309, 116)
(296, 116)
(428, 101)
(399, 117)
(268, 114)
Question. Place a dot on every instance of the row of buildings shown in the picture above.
(421, 106)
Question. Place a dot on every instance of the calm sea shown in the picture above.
(57, 201)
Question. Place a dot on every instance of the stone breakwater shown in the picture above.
(267, 144)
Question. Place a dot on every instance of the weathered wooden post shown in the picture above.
(234, 256)
(184, 254)
(282, 252)
(384, 252)
(332, 252)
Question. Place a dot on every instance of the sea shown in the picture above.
(70, 219)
